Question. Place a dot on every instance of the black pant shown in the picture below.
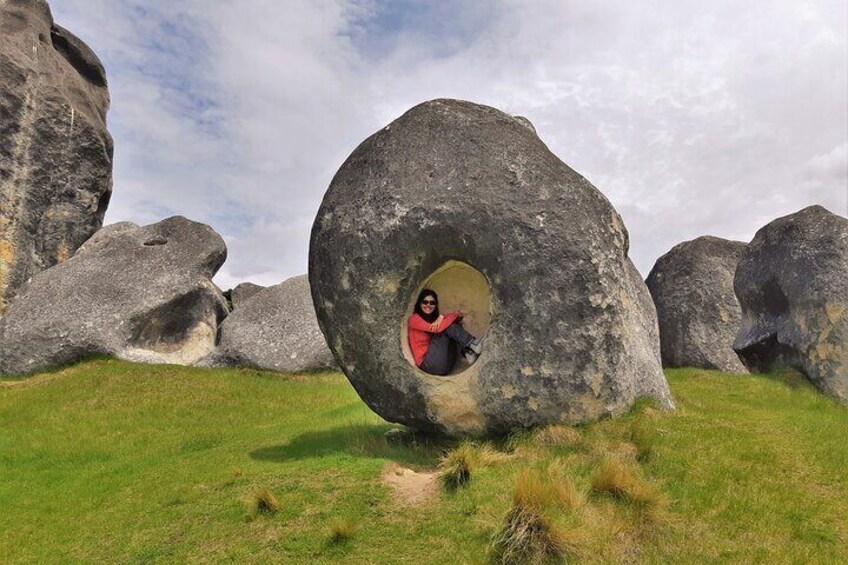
(442, 352)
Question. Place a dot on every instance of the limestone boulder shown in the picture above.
(792, 284)
(699, 315)
(276, 329)
(468, 201)
(55, 151)
(243, 292)
(139, 293)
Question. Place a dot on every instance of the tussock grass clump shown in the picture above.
(261, 501)
(565, 491)
(613, 478)
(528, 533)
(558, 435)
(341, 531)
(456, 466)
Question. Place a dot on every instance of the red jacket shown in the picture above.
(419, 334)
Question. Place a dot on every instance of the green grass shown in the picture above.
(111, 462)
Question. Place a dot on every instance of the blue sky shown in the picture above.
(692, 117)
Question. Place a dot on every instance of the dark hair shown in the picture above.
(430, 318)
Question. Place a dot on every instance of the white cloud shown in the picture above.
(691, 117)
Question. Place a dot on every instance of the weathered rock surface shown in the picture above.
(275, 329)
(55, 151)
(243, 292)
(792, 284)
(699, 316)
(469, 200)
(139, 293)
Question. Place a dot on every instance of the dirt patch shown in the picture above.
(411, 487)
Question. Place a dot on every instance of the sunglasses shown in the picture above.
(428, 302)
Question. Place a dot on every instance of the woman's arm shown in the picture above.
(416, 322)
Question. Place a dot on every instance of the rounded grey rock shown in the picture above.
(468, 200)
(243, 292)
(275, 329)
(699, 316)
(792, 284)
(139, 293)
(55, 150)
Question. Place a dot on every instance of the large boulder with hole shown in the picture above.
(139, 293)
(699, 316)
(468, 201)
(792, 284)
(55, 151)
(275, 329)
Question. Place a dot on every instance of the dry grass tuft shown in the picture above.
(528, 534)
(566, 492)
(558, 436)
(456, 466)
(613, 478)
(488, 455)
(341, 531)
(262, 501)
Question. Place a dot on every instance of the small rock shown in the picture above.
(275, 329)
(698, 313)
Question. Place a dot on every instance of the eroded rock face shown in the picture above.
(275, 329)
(139, 293)
(455, 185)
(55, 151)
(243, 292)
(699, 316)
(792, 284)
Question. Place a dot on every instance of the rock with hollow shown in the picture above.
(792, 284)
(139, 293)
(55, 151)
(275, 329)
(699, 315)
(467, 200)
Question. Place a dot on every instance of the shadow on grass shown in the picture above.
(358, 440)
(30, 376)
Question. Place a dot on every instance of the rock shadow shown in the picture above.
(404, 447)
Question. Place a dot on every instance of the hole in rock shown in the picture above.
(169, 327)
(155, 241)
(768, 354)
(460, 287)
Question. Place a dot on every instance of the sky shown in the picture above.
(693, 118)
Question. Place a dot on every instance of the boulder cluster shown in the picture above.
(452, 196)
(69, 289)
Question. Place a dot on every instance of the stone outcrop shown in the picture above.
(699, 316)
(243, 292)
(139, 293)
(469, 201)
(792, 284)
(275, 329)
(55, 151)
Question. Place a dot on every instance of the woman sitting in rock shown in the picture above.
(436, 338)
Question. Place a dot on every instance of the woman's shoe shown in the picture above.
(469, 355)
(476, 345)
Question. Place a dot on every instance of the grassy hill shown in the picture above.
(108, 461)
